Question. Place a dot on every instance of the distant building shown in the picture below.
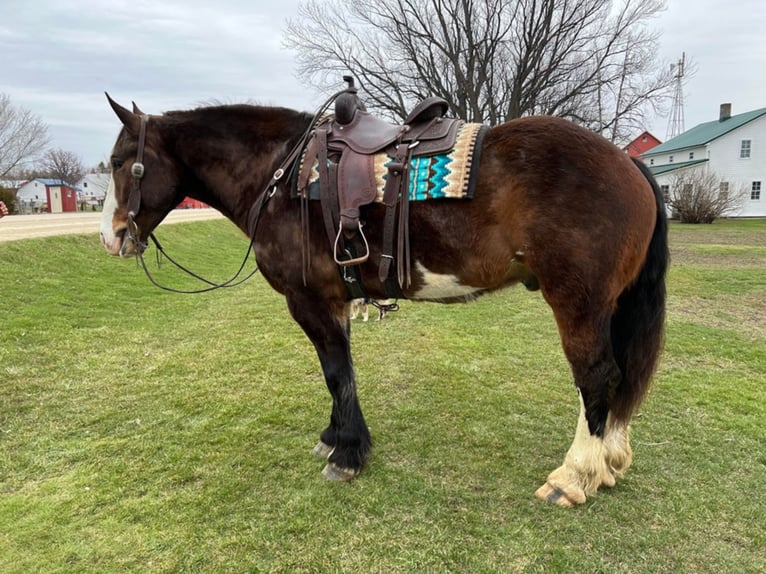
(91, 193)
(641, 145)
(189, 203)
(91, 190)
(46, 196)
(732, 147)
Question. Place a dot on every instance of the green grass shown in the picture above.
(142, 431)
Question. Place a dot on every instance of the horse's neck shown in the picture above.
(234, 185)
(235, 172)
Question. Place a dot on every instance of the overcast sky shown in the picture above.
(57, 57)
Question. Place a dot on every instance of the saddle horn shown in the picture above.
(347, 103)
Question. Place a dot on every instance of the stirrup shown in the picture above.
(355, 260)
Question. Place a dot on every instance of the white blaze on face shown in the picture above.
(108, 239)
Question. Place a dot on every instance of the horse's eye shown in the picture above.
(117, 163)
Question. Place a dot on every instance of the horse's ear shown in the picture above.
(137, 110)
(130, 120)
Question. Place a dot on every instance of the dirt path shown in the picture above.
(13, 227)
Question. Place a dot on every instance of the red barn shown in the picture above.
(641, 144)
(189, 203)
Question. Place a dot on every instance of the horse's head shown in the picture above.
(144, 186)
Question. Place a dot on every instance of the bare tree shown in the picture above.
(492, 60)
(62, 165)
(700, 196)
(23, 136)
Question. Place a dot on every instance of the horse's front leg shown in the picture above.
(346, 441)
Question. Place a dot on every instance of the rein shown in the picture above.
(212, 285)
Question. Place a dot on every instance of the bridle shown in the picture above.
(137, 172)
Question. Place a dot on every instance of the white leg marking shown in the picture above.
(587, 456)
(591, 462)
(619, 455)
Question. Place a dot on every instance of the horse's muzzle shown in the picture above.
(115, 244)
(123, 244)
(130, 245)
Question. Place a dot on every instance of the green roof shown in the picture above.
(665, 168)
(705, 133)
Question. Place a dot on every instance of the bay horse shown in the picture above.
(556, 207)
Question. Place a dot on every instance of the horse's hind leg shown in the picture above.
(346, 441)
(600, 451)
(590, 463)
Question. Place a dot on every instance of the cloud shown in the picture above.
(59, 56)
(724, 42)
(62, 55)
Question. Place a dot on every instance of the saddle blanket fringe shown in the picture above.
(441, 176)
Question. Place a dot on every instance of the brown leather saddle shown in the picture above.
(343, 148)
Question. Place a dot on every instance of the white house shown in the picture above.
(47, 196)
(732, 147)
(91, 189)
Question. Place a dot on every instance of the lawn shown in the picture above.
(142, 431)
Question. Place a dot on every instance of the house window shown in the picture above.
(670, 159)
(85, 184)
(651, 161)
(691, 155)
(744, 149)
(723, 191)
(665, 189)
(755, 191)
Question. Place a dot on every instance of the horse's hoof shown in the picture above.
(556, 495)
(338, 474)
(322, 450)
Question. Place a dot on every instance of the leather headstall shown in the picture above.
(137, 171)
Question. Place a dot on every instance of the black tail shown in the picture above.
(638, 323)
